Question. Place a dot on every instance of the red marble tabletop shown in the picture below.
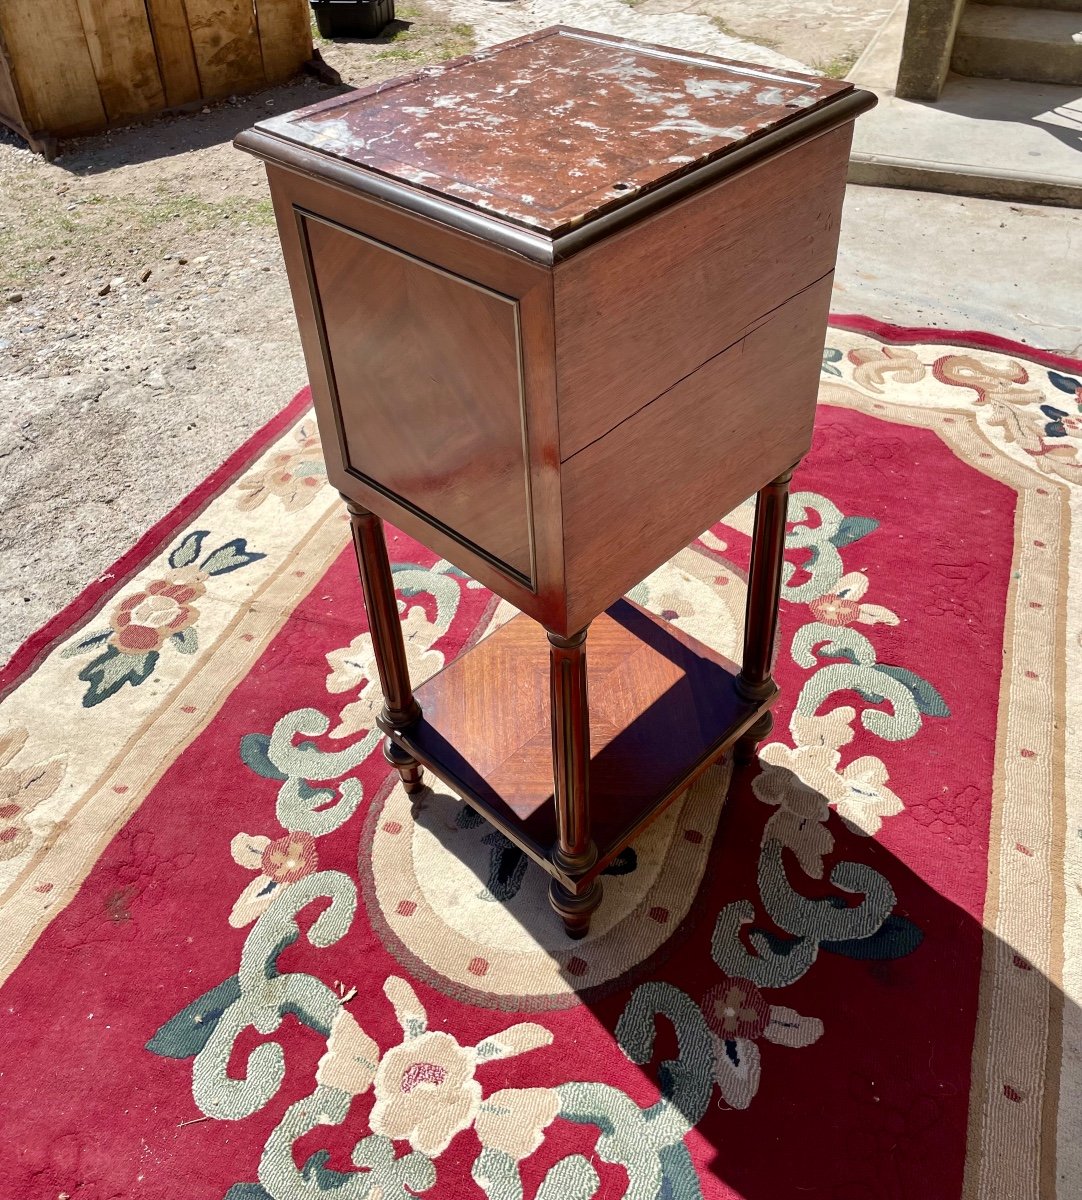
(551, 129)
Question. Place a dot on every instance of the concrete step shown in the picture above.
(1034, 45)
(985, 137)
(1057, 5)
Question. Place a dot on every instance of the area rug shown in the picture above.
(238, 962)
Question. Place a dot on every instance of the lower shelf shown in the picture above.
(662, 708)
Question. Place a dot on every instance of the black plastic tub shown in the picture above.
(352, 18)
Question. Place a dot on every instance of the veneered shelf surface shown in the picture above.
(662, 708)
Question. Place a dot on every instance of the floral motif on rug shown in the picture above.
(245, 964)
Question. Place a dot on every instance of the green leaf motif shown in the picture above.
(184, 1035)
(188, 550)
(110, 671)
(82, 646)
(852, 529)
(831, 354)
(248, 1191)
(928, 700)
(253, 753)
(230, 557)
(186, 640)
(679, 1181)
(895, 938)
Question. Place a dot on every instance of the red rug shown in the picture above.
(237, 963)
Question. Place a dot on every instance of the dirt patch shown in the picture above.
(828, 35)
(145, 322)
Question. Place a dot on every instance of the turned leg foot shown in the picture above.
(575, 910)
(746, 749)
(408, 767)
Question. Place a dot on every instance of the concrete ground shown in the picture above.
(955, 262)
(983, 137)
(146, 330)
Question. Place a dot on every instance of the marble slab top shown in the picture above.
(555, 128)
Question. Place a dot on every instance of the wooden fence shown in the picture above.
(75, 66)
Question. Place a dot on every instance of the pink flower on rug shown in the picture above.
(280, 863)
(736, 1008)
(146, 619)
(292, 476)
(737, 1058)
(426, 1090)
(842, 606)
(290, 858)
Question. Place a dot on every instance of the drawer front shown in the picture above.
(647, 307)
(636, 496)
(425, 371)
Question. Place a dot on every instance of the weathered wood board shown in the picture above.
(226, 40)
(71, 67)
(122, 52)
(285, 37)
(176, 55)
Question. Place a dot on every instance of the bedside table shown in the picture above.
(563, 305)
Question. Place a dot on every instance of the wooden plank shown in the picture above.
(54, 73)
(226, 43)
(11, 110)
(285, 37)
(122, 51)
(176, 58)
(437, 356)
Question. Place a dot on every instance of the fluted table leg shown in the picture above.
(574, 852)
(761, 614)
(400, 708)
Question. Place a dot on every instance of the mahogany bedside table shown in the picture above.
(563, 306)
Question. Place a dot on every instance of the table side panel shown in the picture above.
(643, 309)
(524, 283)
(425, 368)
(638, 495)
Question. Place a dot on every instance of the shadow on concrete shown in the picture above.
(1053, 108)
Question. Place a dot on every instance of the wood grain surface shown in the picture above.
(662, 708)
(669, 371)
(122, 50)
(648, 306)
(176, 55)
(528, 284)
(11, 106)
(226, 43)
(285, 37)
(638, 495)
(425, 368)
(52, 66)
(76, 66)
